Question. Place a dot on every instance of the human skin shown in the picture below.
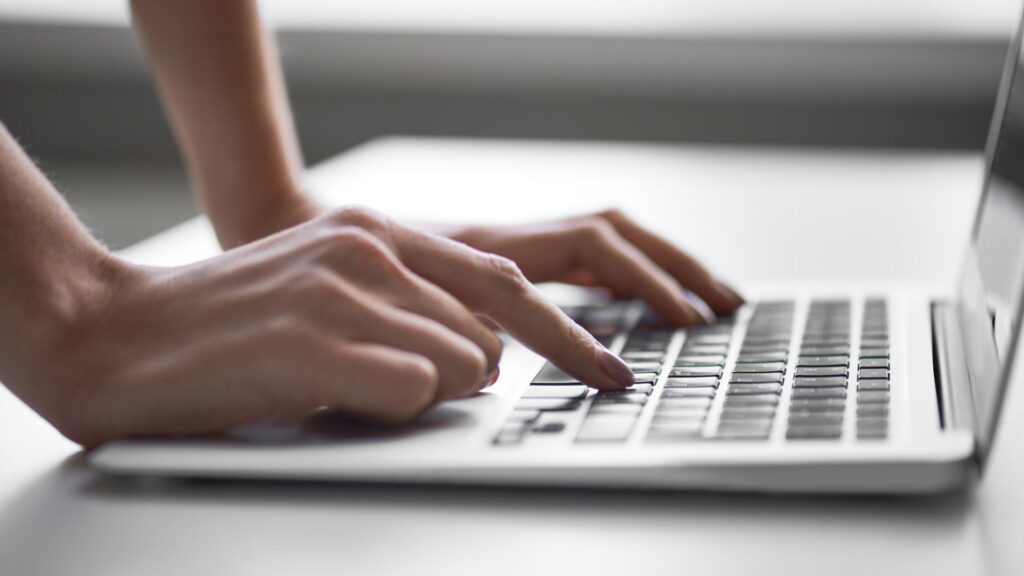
(308, 307)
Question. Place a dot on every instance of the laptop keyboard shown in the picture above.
(770, 381)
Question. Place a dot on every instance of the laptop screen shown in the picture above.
(992, 288)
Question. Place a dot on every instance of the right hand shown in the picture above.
(351, 311)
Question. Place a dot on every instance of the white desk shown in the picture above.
(893, 215)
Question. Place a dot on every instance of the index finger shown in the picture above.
(494, 286)
(683, 267)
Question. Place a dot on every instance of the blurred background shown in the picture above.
(872, 73)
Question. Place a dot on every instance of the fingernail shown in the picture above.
(698, 311)
(491, 377)
(615, 368)
(494, 375)
(729, 293)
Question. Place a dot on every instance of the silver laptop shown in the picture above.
(887, 391)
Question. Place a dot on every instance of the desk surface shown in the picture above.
(875, 215)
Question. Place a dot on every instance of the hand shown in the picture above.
(609, 250)
(350, 310)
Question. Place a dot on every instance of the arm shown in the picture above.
(221, 81)
(349, 311)
(218, 75)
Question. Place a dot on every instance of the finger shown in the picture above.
(626, 270)
(494, 286)
(268, 370)
(683, 267)
(367, 262)
(461, 365)
(419, 296)
(380, 383)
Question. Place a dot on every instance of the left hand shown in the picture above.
(609, 250)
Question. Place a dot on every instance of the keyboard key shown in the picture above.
(814, 432)
(620, 396)
(779, 367)
(710, 339)
(826, 340)
(874, 342)
(549, 428)
(739, 389)
(578, 391)
(620, 408)
(688, 393)
(814, 371)
(606, 428)
(817, 404)
(821, 361)
(679, 414)
(660, 435)
(800, 382)
(641, 387)
(524, 416)
(770, 399)
(551, 374)
(868, 373)
(824, 350)
(684, 426)
(703, 349)
(872, 385)
(642, 355)
(833, 412)
(684, 403)
(869, 410)
(644, 366)
(510, 434)
(873, 422)
(553, 404)
(756, 377)
(816, 419)
(695, 371)
(771, 342)
(762, 358)
(819, 393)
(873, 363)
(873, 397)
(700, 360)
(748, 413)
(645, 377)
(743, 431)
(693, 382)
(874, 352)
(764, 348)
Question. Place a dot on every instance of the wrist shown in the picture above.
(51, 310)
(275, 213)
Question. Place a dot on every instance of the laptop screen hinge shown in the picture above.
(952, 381)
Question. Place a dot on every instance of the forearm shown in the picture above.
(52, 272)
(219, 77)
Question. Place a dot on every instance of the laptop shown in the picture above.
(887, 391)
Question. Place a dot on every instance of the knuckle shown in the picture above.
(353, 248)
(596, 230)
(361, 217)
(611, 215)
(505, 273)
(315, 284)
